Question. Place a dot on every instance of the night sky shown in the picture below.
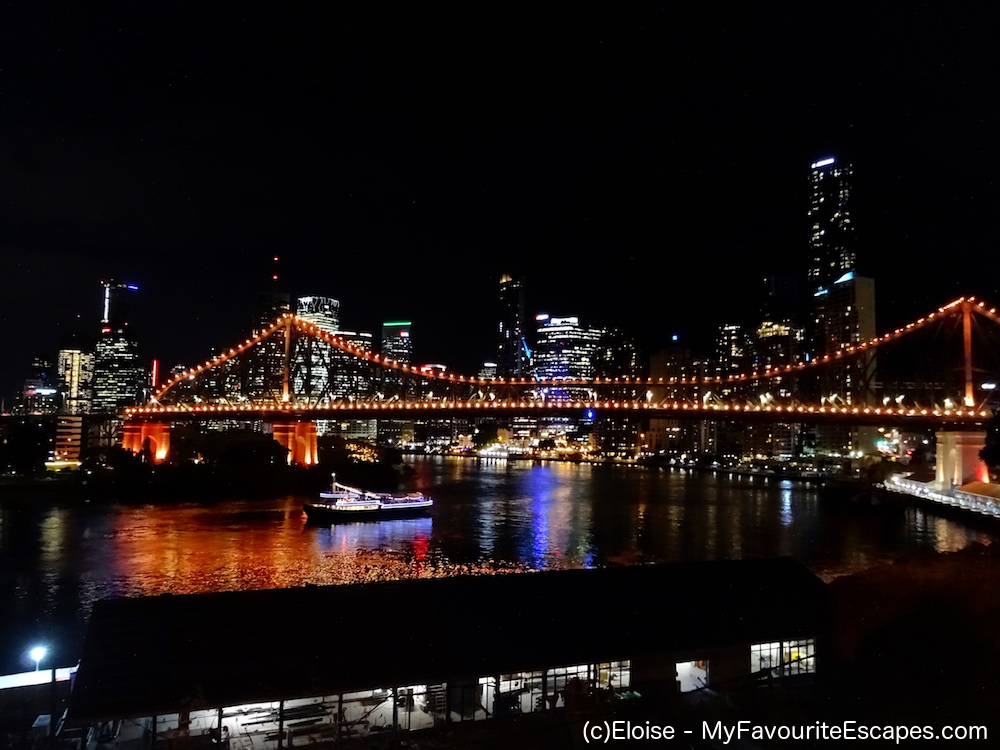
(642, 168)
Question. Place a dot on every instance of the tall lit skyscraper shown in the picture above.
(843, 303)
(74, 373)
(119, 378)
(832, 251)
(513, 355)
(312, 376)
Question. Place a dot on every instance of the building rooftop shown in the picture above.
(149, 655)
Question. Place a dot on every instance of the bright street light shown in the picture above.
(37, 653)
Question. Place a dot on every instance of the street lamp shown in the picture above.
(37, 653)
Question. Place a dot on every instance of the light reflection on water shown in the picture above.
(496, 517)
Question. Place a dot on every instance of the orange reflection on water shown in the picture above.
(243, 546)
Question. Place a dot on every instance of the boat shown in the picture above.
(342, 502)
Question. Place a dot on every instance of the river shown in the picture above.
(58, 558)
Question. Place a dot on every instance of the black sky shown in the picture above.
(641, 167)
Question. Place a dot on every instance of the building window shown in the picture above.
(570, 682)
(783, 657)
(519, 693)
(799, 657)
(615, 674)
(692, 675)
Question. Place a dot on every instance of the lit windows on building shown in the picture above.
(323, 312)
(566, 350)
(783, 657)
(74, 374)
(831, 233)
(311, 380)
(844, 315)
(732, 350)
(513, 353)
(396, 342)
(119, 377)
(348, 382)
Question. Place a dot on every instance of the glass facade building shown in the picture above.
(832, 251)
(513, 354)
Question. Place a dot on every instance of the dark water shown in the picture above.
(57, 559)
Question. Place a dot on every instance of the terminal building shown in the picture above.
(271, 669)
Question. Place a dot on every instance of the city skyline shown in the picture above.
(629, 166)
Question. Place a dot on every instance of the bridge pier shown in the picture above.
(299, 439)
(958, 461)
(135, 435)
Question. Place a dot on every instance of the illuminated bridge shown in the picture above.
(294, 373)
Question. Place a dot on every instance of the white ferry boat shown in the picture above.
(343, 502)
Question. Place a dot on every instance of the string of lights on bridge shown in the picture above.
(793, 410)
(338, 342)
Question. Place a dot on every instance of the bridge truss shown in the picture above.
(295, 368)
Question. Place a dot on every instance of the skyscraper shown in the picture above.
(320, 311)
(119, 378)
(312, 375)
(567, 351)
(843, 303)
(265, 378)
(513, 355)
(396, 342)
(832, 251)
(74, 372)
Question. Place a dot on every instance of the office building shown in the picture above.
(323, 312)
(513, 353)
(74, 375)
(119, 378)
(397, 346)
(313, 371)
(350, 383)
(396, 342)
(732, 350)
(845, 316)
(566, 350)
(39, 394)
(779, 337)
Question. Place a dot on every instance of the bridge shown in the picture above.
(293, 373)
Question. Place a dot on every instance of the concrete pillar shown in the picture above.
(306, 452)
(134, 435)
(159, 440)
(299, 439)
(284, 435)
(958, 461)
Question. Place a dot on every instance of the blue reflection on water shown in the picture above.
(539, 484)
